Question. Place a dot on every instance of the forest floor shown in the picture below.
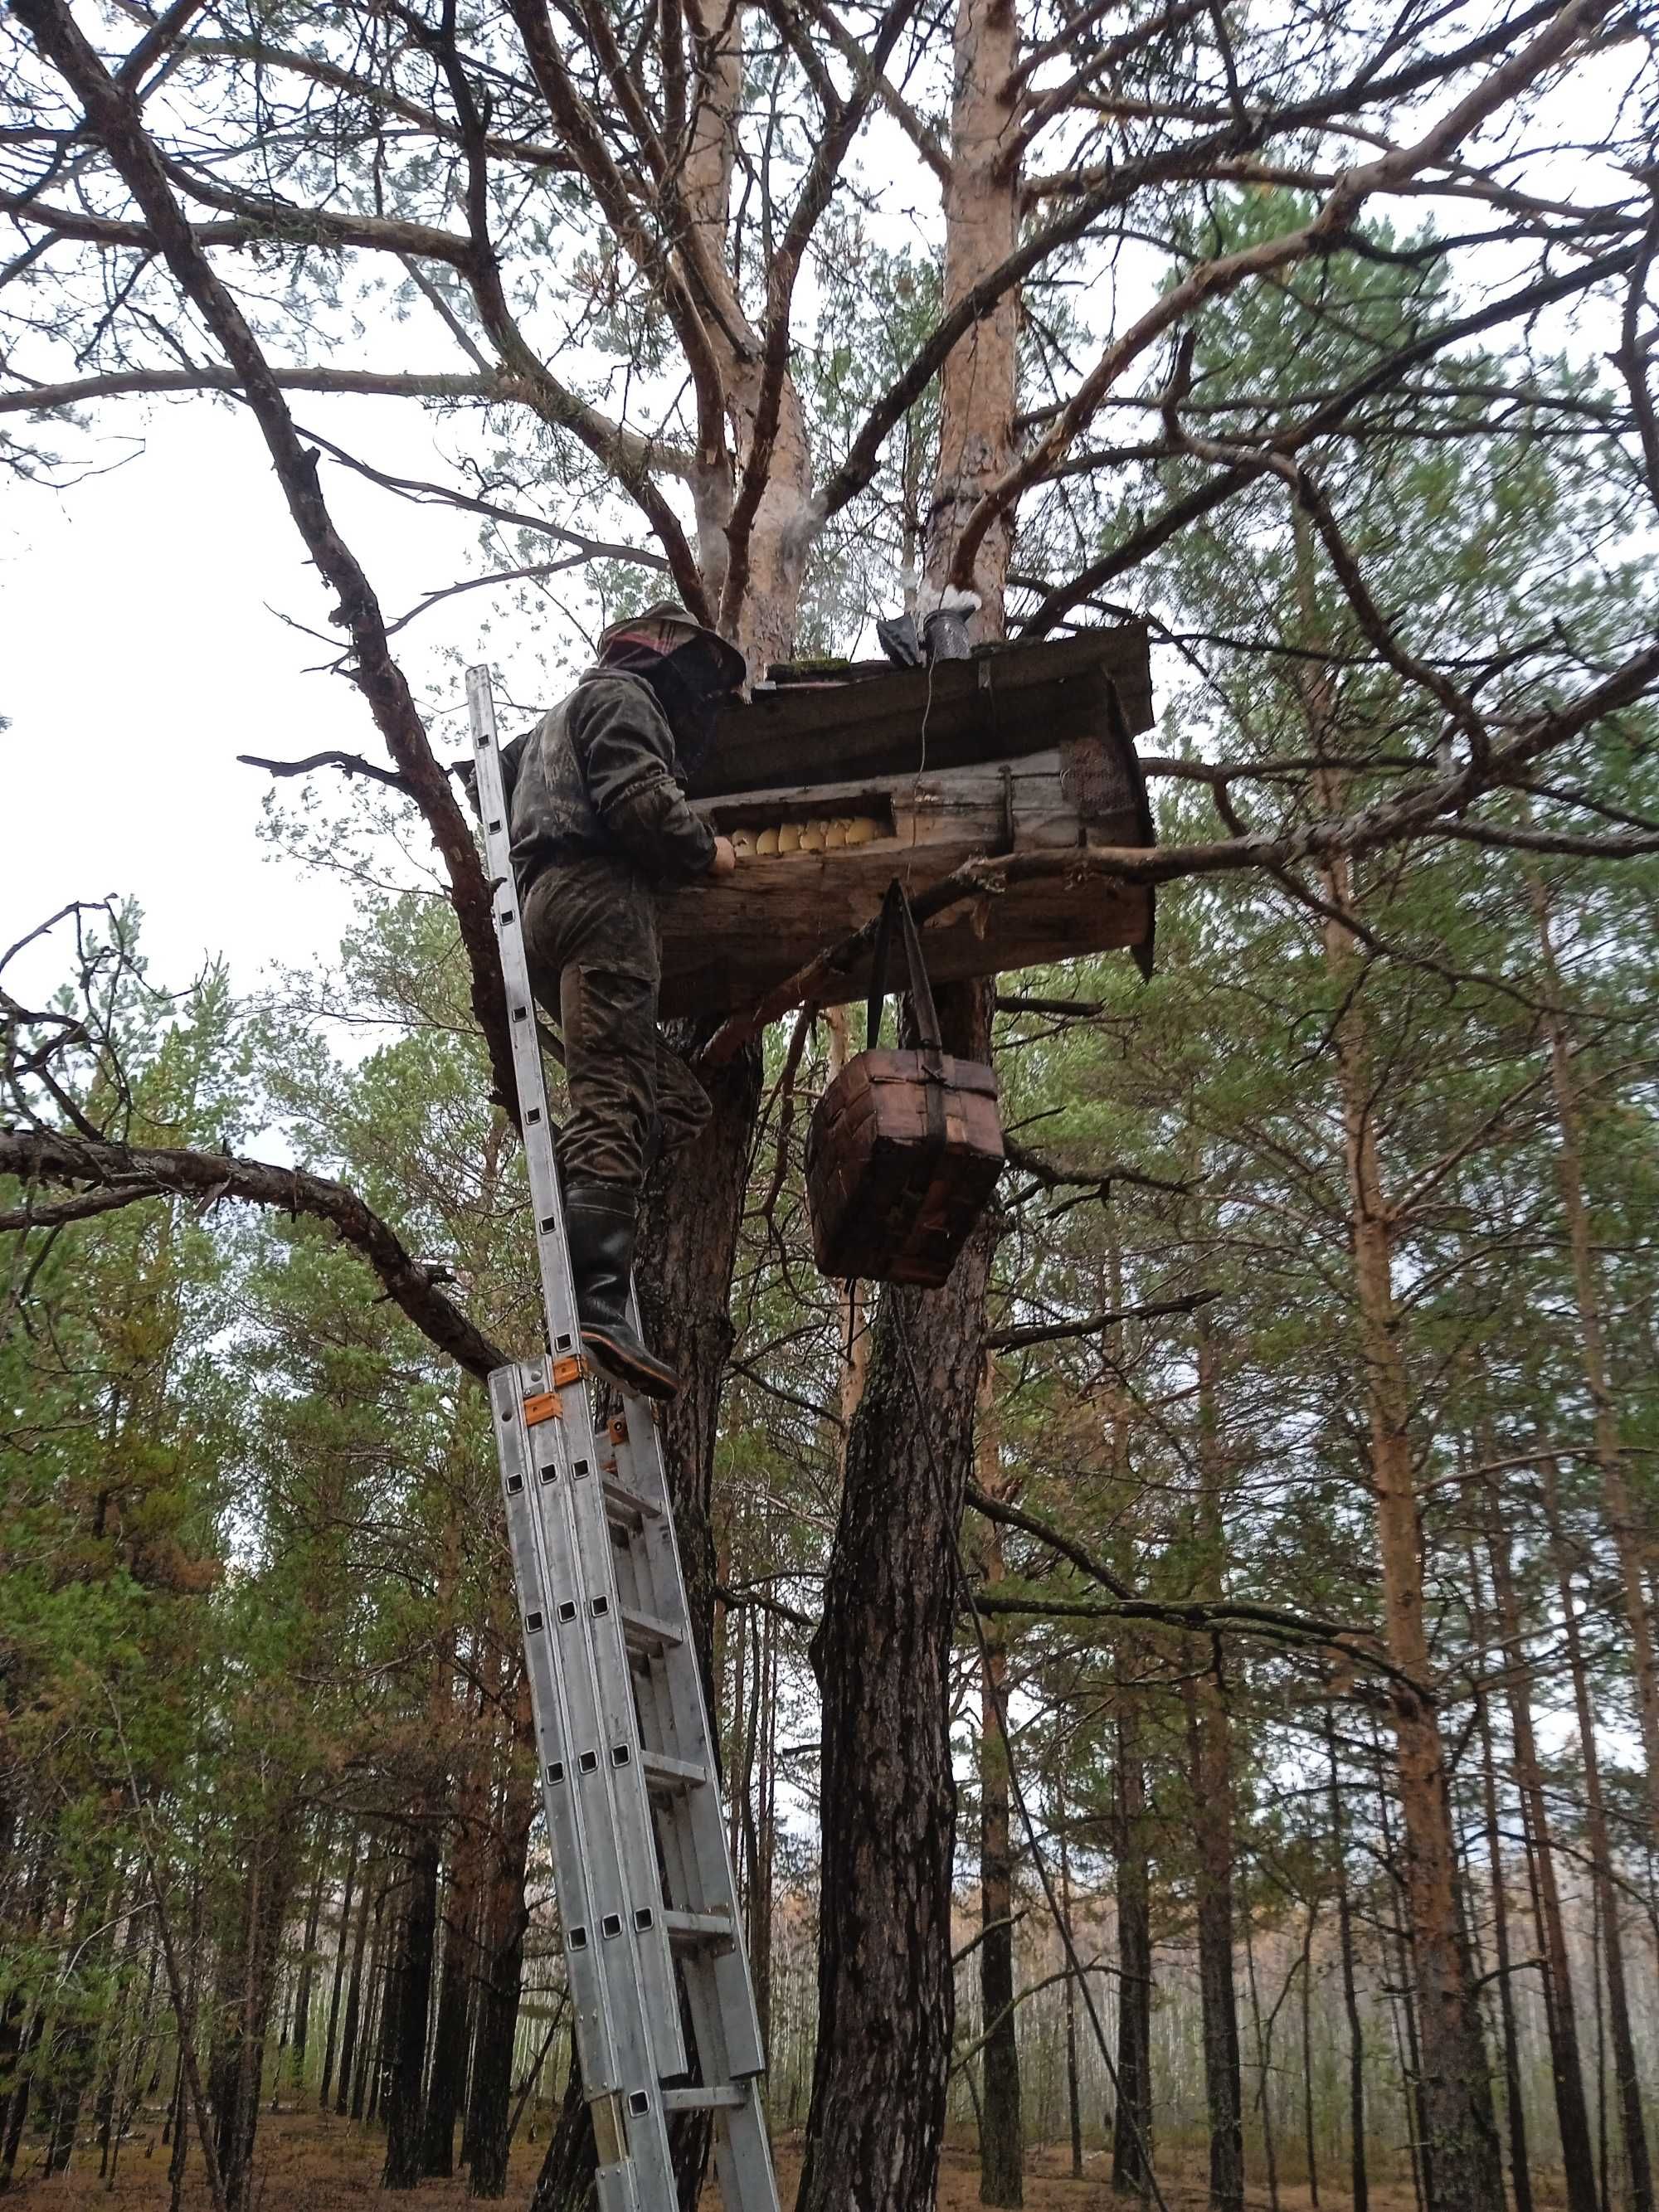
(309, 2164)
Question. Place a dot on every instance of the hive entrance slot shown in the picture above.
(805, 822)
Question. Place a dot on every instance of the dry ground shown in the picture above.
(308, 2164)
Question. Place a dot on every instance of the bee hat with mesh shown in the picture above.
(665, 628)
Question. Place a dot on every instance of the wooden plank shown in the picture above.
(1003, 705)
(721, 969)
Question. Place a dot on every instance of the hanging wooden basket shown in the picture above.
(906, 1147)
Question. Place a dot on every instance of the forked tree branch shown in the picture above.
(113, 115)
(112, 1175)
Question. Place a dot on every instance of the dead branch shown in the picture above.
(113, 114)
(141, 1171)
(1062, 1332)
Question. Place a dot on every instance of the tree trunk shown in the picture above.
(1456, 2091)
(505, 1922)
(1359, 2176)
(308, 1962)
(882, 1650)
(450, 2038)
(354, 2011)
(1515, 2103)
(1002, 2149)
(409, 2000)
(1132, 2119)
(1630, 1537)
(1212, 1837)
(882, 1654)
(247, 1989)
(1626, 2075)
(1210, 1741)
(341, 1945)
(1073, 2101)
(1577, 2152)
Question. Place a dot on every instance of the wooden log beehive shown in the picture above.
(830, 789)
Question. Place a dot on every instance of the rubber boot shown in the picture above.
(600, 1220)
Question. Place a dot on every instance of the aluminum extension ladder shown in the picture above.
(628, 1767)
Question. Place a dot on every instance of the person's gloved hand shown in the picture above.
(725, 860)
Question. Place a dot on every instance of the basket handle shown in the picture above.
(896, 914)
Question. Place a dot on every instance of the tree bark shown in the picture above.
(1628, 2078)
(450, 2038)
(1132, 2119)
(341, 1944)
(502, 1969)
(1212, 1787)
(409, 1999)
(1456, 2090)
(1210, 1741)
(354, 1991)
(1631, 1540)
(1073, 2101)
(247, 1989)
(1358, 2174)
(1515, 2103)
(308, 1961)
(882, 1653)
(1002, 2147)
(1577, 2152)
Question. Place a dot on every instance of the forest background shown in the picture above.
(1260, 1571)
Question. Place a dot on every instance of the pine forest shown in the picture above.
(1187, 1689)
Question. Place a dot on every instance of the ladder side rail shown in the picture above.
(509, 1387)
(630, 2125)
(622, 1751)
(719, 1993)
(589, 1584)
(699, 1811)
(626, 1907)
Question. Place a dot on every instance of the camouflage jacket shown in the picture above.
(599, 775)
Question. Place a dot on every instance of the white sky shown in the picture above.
(143, 647)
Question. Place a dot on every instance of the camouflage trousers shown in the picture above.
(590, 935)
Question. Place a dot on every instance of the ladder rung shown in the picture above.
(645, 1632)
(662, 1773)
(725, 2097)
(628, 1503)
(697, 1927)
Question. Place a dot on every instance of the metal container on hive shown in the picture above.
(905, 1147)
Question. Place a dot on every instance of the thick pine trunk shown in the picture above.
(882, 1650)
(450, 2036)
(882, 1654)
(409, 1999)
